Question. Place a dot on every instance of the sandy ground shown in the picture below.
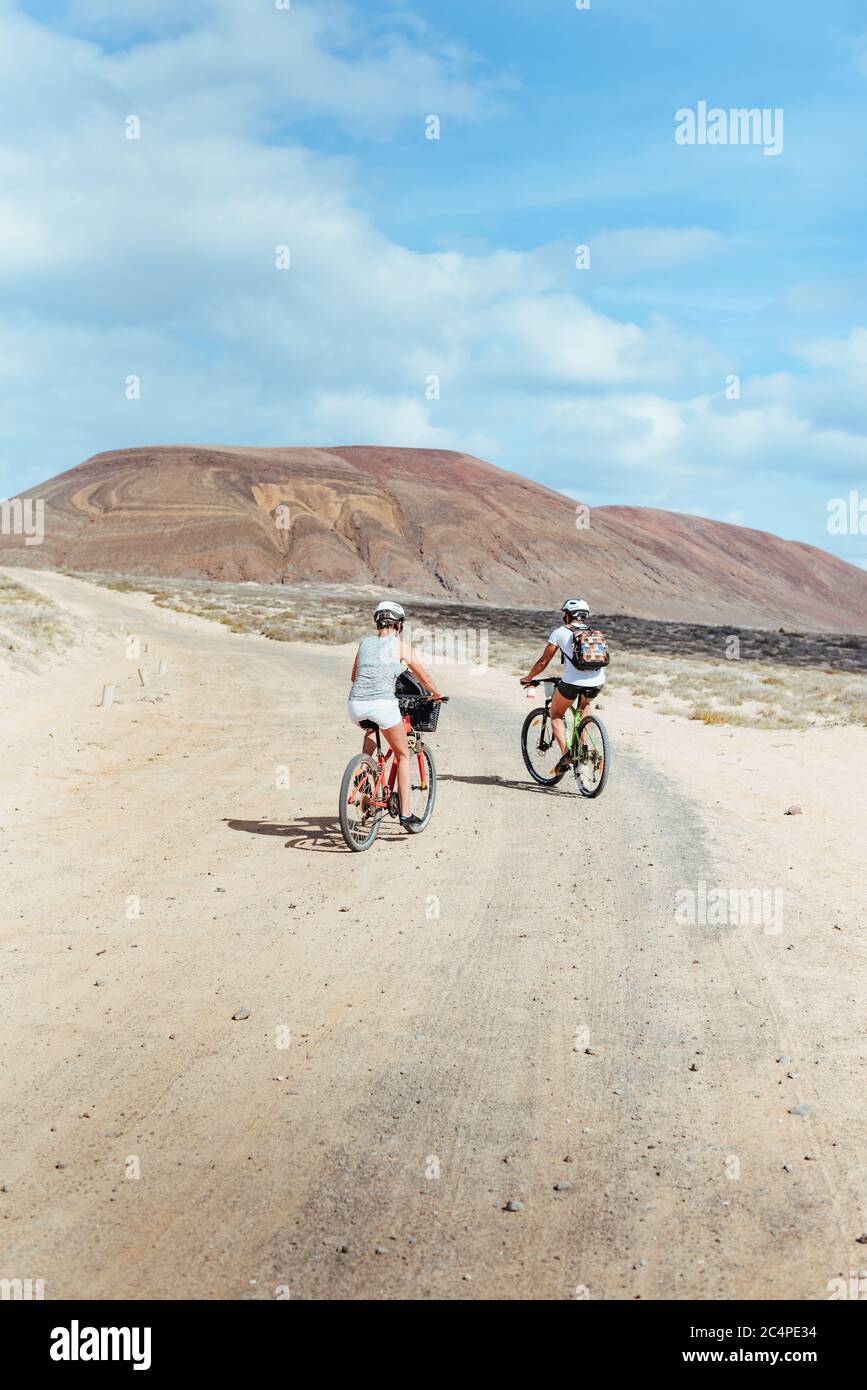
(415, 1055)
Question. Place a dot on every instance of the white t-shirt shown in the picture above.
(562, 637)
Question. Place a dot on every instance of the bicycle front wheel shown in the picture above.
(359, 813)
(594, 756)
(540, 749)
(424, 785)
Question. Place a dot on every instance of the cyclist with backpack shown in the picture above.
(584, 654)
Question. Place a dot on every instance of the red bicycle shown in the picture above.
(369, 786)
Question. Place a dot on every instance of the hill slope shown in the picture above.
(426, 522)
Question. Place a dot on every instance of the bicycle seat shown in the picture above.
(368, 724)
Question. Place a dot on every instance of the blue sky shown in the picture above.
(452, 257)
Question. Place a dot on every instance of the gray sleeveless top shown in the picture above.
(378, 668)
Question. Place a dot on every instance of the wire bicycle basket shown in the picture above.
(423, 713)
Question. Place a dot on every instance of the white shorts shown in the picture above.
(386, 713)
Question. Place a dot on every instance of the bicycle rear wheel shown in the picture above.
(359, 815)
(539, 747)
(594, 756)
(424, 784)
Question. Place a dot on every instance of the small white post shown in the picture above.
(107, 696)
(163, 668)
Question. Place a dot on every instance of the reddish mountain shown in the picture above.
(426, 522)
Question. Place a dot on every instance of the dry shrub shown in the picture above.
(32, 628)
(713, 716)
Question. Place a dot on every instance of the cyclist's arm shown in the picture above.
(408, 655)
(354, 668)
(540, 664)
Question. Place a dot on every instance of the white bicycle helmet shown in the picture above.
(388, 613)
(576, 608)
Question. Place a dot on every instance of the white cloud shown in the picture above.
(762, 466)
(156, 257)
(840, 354)
(322, 60)
(344, 417)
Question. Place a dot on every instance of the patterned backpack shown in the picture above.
(589, 649)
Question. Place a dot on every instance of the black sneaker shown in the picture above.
(410, 824)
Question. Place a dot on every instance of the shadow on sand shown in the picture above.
(321, 834)
(507, 784)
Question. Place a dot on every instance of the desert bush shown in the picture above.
(713, 716)
(31, 626)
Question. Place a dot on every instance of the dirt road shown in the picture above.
(503, 1009)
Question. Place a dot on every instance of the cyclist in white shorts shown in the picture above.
(376, 667)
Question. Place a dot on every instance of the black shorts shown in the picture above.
(571, 692)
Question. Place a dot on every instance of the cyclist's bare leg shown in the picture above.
(585, 707)
(559, 705)
(396, 738)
